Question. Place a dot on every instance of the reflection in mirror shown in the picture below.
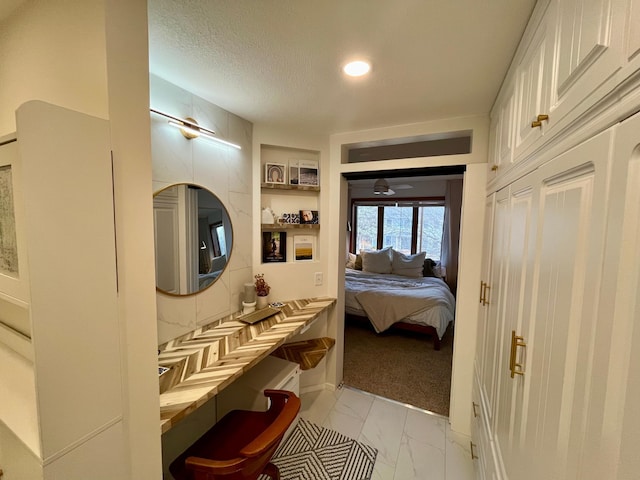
(193, 238)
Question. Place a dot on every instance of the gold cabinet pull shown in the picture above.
(475, 413)
(494, 168)
(484, 298)
(516, 341)
(538, 121)
(473, 453)
(482, 285)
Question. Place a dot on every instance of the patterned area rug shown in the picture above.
(316, 453)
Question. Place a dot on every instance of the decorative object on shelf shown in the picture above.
(262, 302)
(309, 217)
(249, 292)
(248, 307)
(275, 173)
(268, 216)
(274, 247)
(291, 218)
(308, 172)
(303, 248)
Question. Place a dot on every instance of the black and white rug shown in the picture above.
(312, 452)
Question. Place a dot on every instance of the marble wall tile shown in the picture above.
(223, 170)
(176, 316)
(215, 301)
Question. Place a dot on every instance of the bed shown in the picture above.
(399, 297)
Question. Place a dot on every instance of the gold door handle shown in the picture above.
(494, 168)
(538, 121)
(473, 453)
(484, 298)
(516, 341)
(475, 405)
(482, 285)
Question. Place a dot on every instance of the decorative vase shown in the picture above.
(261, 302)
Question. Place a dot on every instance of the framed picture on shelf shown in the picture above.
(291, 218)
(294, 172)
(275, 173)
(308, 172)
(309, 217)
(274, 247)
(304, 248)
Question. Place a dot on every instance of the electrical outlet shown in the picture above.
(318, 278)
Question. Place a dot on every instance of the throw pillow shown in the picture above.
(376, 261)
(407, 265)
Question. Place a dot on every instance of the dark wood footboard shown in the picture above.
(411, 327)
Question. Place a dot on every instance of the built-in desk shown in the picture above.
(205, 361)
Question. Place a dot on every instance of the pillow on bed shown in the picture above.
(407, 265)
(358, 262)
(351, 260)
(376, 261)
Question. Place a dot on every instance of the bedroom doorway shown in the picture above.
(404, 210)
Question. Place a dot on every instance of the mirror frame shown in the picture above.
(229, 248)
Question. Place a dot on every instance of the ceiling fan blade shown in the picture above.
(402, 186)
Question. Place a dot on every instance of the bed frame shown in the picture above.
(411, 327)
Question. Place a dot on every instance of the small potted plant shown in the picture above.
(262, 291)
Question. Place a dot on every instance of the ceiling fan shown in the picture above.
(382, 187)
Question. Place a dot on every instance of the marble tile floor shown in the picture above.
(411, 443)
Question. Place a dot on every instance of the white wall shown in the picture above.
(52, 51)
(87, 55)
(464, 343)
(225, 171)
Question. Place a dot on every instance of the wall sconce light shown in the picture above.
(190, 129)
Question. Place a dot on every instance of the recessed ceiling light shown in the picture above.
(357, 68)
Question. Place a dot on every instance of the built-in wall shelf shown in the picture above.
(299, 188)
(267, 227)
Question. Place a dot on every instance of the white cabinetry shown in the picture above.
(560, 379)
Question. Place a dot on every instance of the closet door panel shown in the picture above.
(589, 42)
(567, 272)
(492, 297)
(512, 391)
(613, 426)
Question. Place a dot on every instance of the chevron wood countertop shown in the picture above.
(206, 360)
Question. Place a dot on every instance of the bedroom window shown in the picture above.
(409, 227)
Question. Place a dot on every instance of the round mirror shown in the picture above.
(193, 239)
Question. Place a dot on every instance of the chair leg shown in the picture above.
(272, 470)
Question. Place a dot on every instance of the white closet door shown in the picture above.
(512, 388)
(612, 430)
(492, 299)
(564, 284)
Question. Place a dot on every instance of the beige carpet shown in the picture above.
(401, 366)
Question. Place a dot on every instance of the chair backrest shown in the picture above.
(253, 456)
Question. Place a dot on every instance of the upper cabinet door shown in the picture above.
(589, 51)
(533, 78)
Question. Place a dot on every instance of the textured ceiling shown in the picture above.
(279, 61)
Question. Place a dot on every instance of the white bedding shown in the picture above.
(387, 299)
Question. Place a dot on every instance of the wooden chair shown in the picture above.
(241, 444)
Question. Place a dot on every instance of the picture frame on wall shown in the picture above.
(275, 173)
(309, 217)
(274, 247)
(304, 248)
